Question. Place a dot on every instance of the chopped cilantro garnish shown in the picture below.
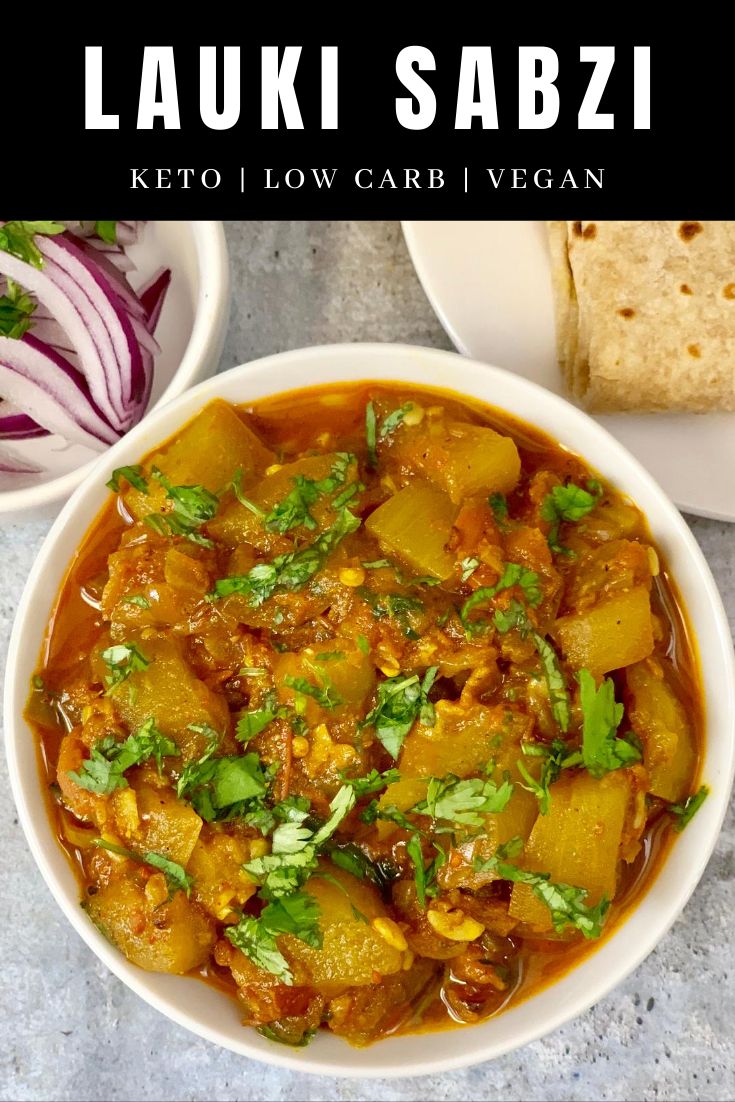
(193, 506)
(390, 423)
(469, 565)
(104, 770)
(133, 475)
(254, 940)
(463, 801)
(294, 510)
(371, 782)
(567, 503)
(602, 751)
(16, 308)
(515, 616)
(397, 606)
(513, 574)
(424, 875)
(565, 902)
(371, 437)
(289, 571)
(177, 878)
(136, 599)
(685, 812)
(17, 238)
(224, 787)
(401, 701)
(363, 643)
(106, 231)
(122, 660)
(556, 757)
(499, 506)
(325, 694)
(556, 684)
(295, 848)
(252, 723)
(235, 484)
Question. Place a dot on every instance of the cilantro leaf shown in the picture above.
(281, 873)
(16, 308)
(424, 875)
(515, 616)
(685, 812)
(558, 695)
(193, 506)
(289, 571)
(513, 574)
(294, 510)
(133, 475)
(297, 914)
(104, 771)
(122, 660)
(469, 565)
(340, 806)
(499, 506)
(371, 437)
(136, 599)
(390, 423)
(295, 848)
(463, 801)
(235, 484)
(252, 723)
(602, 751)
(222, 787)
(567, 503)
(106, 231)
(556, 757)
(371, 782)
(401, 701)
(17, 238)
(565, 902)
(176, 875)
(325, 694)
(254, 940)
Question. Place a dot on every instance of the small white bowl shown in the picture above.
(191, 333)
(208, 1012)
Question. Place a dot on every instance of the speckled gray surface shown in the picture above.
(70, 1030)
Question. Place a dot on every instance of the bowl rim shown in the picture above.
(297, 369)
(210, 321)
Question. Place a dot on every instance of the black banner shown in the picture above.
(661, 148)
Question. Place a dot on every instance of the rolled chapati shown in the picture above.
(645, 313)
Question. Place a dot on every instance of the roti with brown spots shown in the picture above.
(645, 313)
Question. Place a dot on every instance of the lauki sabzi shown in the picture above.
(370, 705)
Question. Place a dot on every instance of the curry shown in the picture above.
(373, 706)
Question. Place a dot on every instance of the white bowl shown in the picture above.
(191, 333)
(208, 1012)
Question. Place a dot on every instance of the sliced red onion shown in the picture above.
(63, 299)
(19, 426)
(120, 339)
(112, 254)
(13, 464)
(51, 392)
(152, 295)
(127, 232)
(114, 276)
(90, 330)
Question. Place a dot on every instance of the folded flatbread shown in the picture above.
(645, 313)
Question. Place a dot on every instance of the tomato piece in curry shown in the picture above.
(371, 705)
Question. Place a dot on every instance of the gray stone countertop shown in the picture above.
(70, 1030)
